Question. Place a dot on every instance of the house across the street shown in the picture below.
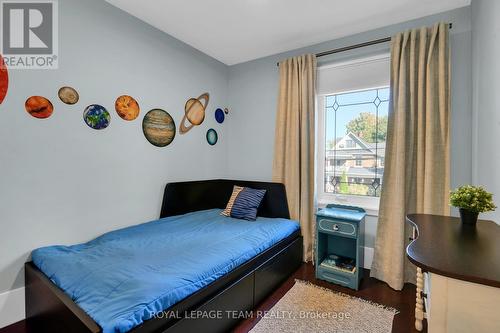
(354, 166)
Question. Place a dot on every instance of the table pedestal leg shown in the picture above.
(419, 305)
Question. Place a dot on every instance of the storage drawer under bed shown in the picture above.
(273, 272)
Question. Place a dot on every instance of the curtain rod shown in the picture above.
(357, 46)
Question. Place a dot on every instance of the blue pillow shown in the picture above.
(244, 203)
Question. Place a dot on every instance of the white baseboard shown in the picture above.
(11, 307)
(368, 257)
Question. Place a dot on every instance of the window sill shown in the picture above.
(371, 210)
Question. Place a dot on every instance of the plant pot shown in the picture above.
(468, 217)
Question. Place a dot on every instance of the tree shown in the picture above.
(344, 186)
(358, 189)
(365, 126)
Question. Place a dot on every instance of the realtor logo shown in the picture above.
(29, 34)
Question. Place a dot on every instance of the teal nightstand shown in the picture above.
(340, 244)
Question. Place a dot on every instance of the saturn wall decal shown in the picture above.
(194, 112)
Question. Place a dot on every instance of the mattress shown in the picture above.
(124, 277)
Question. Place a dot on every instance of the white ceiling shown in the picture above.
(235, 31)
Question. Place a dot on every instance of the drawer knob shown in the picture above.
(335, 227)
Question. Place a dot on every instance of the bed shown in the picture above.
(211, 265)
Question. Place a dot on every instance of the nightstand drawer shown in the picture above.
(338, 227)
(344, 279)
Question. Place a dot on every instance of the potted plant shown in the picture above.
(471, 200)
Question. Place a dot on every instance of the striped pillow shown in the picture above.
(229, 206)
(244, 203)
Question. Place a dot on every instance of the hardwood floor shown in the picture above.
(370, 289)
(19, 327)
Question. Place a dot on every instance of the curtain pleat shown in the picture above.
(416, 176)
(293, 163)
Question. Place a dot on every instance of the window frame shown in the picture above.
(370, 204)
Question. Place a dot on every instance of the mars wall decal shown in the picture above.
(127, 107)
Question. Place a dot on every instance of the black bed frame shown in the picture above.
(49, 309)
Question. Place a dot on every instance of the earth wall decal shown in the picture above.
(96, 117)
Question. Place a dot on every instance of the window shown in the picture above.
(360, 116)
(350, 144)
(353, 103)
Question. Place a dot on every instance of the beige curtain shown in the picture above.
(417, 163)
(294, 141)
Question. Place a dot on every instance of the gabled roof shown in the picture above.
(364, 147)
(355, 138)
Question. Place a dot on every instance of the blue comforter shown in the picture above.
(124, 277)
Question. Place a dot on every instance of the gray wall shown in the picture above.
(253, 88)
(486, 97)
(62, 182)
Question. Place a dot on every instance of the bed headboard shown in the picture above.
(184, 197)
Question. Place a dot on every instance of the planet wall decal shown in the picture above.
(219, 115)
(68, 95)
(39, 107)
(158, 127)
(127, 107)
(194, 112)
(226, 110)
(4, 80)
(212, 137)
(96, 116)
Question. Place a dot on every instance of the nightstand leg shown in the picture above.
(419, 305)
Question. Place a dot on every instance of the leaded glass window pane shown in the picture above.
(355, 136)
